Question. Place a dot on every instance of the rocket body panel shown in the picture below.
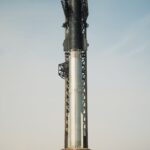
(75, 25)
(76, 99)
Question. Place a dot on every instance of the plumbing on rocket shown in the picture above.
(74, 72)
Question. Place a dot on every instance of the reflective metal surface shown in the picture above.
(76, 107)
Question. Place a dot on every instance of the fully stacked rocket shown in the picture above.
(74, 71)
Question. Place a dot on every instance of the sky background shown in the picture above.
(32, 94)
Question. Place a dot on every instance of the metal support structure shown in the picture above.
(74, 71)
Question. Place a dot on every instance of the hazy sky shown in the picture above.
(32, 94)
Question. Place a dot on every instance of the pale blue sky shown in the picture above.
(32, 94)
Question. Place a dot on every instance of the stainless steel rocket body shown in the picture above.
(74, 71)
(76, 107)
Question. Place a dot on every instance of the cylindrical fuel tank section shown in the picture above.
(75, 93)
(76, 137)
(75, 76)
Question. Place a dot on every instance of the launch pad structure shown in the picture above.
(74, 72)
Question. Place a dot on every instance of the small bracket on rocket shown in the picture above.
(63, 70)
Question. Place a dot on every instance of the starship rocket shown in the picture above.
(74, 72)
